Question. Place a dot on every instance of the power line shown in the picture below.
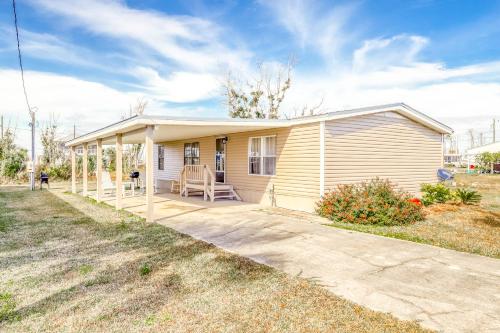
(19, 56)
(30, 110)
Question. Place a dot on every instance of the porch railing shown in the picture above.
(198, 177)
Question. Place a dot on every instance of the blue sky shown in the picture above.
(86, 61)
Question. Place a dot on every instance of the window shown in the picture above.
(161, 158)
(262, 155)
(192, 153)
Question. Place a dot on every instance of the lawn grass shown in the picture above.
(467, 228)
(86, 267)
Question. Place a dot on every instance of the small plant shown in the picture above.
(99, 280)
(374, 202)
(7, 306)
(150, 320)
(145, 269)
(85, 269)
(467, 197)
(435, 193)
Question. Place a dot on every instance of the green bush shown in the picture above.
(145, 269)
(435, 193)
(373, 202)
(56, 172)
(7, 306)
(467, 197)
(13, 163)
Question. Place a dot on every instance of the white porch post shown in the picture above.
(73, 170)
(149, 174)
(119, 176)
(100, 193)
(84, 169)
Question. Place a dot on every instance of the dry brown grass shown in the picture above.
(468, 228)
(78, 268)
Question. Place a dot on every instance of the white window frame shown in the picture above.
(261, 158)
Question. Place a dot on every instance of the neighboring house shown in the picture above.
(290, 163)
(474, 152)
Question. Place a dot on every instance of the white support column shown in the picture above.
(100, 192)
(73, 170)
(321, 158)
(149, 174)
(85, 170)
(119, 176)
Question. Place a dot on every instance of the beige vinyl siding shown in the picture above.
(385, 145)
(174, 157)
(297, 167)
(296, 182)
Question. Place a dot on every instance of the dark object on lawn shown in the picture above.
(44, 178)
(134, 176)
(444, 174)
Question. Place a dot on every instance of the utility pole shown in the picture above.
(32, 174)
(494, 130)
(74, 131)
(471, 136)
(1, 124)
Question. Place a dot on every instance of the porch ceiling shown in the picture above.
(133, 129)
(163, 133)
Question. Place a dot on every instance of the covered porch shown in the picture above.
(149, 130)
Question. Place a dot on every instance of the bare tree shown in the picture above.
(137, 109)
(262, 96)
(52, 152)
(134, 151)
(309, 111)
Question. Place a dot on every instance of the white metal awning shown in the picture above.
(169, 129)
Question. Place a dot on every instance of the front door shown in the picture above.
(220, 160)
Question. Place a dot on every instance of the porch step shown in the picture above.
(229, 196)
(225, 191)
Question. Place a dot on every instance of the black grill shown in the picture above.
(44, 178)
(134, 177)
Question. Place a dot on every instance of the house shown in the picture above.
(288, 163)
(473, 153)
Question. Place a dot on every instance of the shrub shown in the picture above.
(145, 269)
(467, 197)
(373, 202)
(435, 193)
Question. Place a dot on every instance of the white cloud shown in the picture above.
(190, 42)
(383, 52)
(179, 87)
(89, 105)
(454, 102)
(313, 26)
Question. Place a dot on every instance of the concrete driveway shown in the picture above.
(442, 289)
